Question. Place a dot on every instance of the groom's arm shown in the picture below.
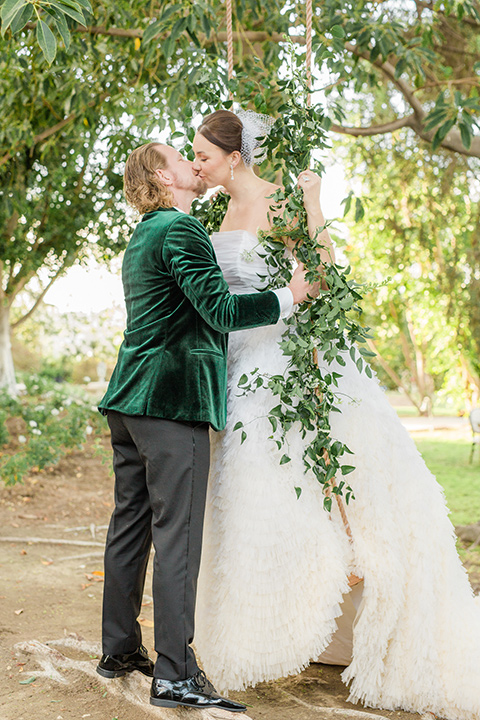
(189, 256)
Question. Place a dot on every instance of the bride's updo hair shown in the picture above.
(244, 131)
(223, 129)
(142, 187)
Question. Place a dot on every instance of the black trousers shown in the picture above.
(161, 472)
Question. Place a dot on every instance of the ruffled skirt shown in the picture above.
(275, 568)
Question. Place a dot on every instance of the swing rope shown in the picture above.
(308, 62)
(230, 42)
(308, 57)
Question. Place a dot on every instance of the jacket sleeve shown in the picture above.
(190, 259)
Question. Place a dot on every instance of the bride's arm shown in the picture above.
(310, 184)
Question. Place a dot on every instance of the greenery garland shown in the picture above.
(331, 325)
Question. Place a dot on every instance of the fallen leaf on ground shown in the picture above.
(18, 612)
(94, 578)
(27, 682)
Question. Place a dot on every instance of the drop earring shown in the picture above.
(231, 172)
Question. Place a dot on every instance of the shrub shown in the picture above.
(40, 425)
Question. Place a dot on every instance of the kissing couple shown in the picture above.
(272, 592)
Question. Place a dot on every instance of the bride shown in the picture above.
(274, 589)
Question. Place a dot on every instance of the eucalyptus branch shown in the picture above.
(307, 392)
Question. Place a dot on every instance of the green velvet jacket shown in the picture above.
(172, 363)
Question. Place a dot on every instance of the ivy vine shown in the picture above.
(306, 394)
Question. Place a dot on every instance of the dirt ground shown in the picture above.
(52, 532)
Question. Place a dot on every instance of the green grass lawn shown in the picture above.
(448, 461)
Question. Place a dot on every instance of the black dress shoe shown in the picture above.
(111, 666)
(196, 691)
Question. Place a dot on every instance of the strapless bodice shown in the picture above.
(237, 254)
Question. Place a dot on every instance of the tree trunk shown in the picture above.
(7, 372)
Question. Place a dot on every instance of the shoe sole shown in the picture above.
(174, 704)
(111, 673)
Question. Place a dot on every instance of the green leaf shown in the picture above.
(347, 469)
(244, 437)
(47, 42)
(206, 25)
(62, 28)
(238, 425)
(284, 460)
(298, 492)
(85, 4)
(400, 67)
(347, 202)
(21, 19)
(359, 209)
(10, 10)
(171, 9)
(243, 380)
(273, 422)
(74, 13)
(442, 132)
(338, 31)
(28, 682)
(466, 135)
(152, 31)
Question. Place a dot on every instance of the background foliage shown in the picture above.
(398, 83)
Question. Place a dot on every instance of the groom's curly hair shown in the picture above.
(142, 187)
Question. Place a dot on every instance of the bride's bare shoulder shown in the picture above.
(270, 188)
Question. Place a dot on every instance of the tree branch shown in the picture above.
(391, 373)
(39, 298)
(55, 128)
(407, 121)
(389, 71)
(21, 283)
(453, 140)
(252, 35)
(459, 81)
(429, 6)
(2, 291)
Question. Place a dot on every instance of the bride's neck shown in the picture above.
(244, 184)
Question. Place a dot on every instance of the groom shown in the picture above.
(167, 389)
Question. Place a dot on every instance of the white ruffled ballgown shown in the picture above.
(274, 569)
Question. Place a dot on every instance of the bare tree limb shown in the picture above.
(407, 121)
(252, 35)
(391, 373)
(50, 541)
(39, 298)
